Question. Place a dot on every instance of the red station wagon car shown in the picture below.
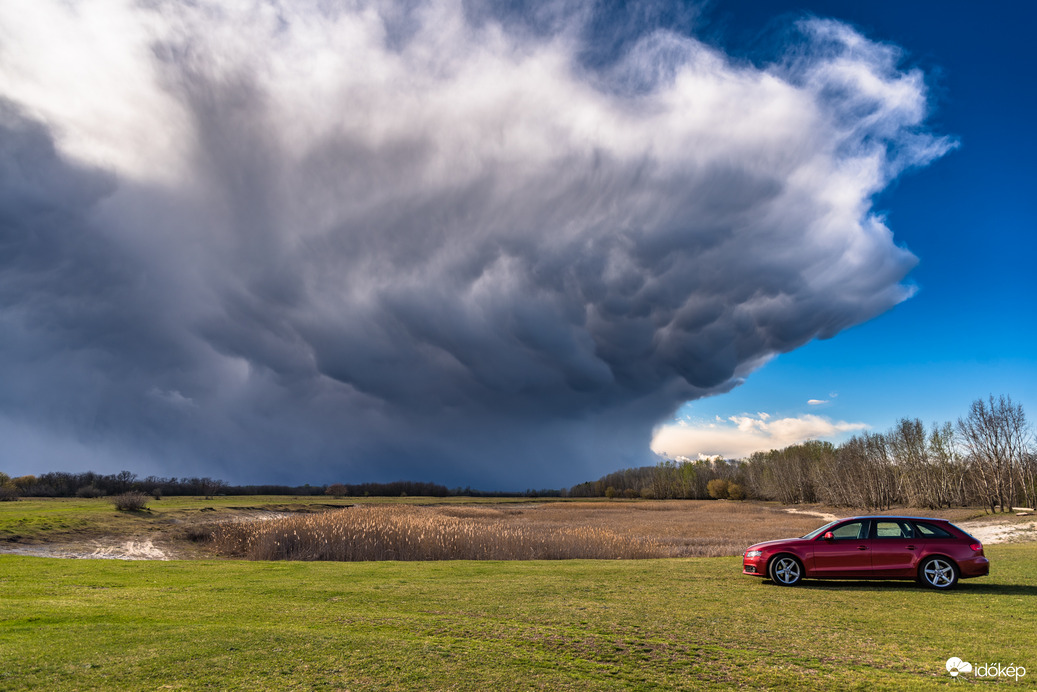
(933, 551)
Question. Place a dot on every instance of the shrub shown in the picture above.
(735, 492)
(89, 491)
(717, 488)
(337, 490)
(198, 534)
(133, 501)
(8, 490)
(610, 492)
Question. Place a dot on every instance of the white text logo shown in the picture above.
(955, 666)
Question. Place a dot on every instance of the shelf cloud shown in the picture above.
(307, 242)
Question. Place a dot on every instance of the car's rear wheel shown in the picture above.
(938, 573)
(785, 570)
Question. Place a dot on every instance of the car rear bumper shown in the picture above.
(974, 567)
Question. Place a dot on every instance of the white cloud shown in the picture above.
(816, 402)
(740, 436)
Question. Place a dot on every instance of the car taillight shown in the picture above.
(976, 546)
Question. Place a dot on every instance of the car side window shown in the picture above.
(931, 531)
(851, 531)
(892, 529)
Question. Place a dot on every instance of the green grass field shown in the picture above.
(653, 624)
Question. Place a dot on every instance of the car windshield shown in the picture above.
(817, 532)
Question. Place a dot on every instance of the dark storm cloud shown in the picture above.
(291, 243)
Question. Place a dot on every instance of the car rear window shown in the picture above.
(931, 531)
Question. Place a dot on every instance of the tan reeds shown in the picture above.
(418, 533)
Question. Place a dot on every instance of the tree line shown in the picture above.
(987, 458)
(89, 484)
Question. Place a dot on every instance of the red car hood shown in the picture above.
(757, 546)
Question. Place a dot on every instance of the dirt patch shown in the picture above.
(174, 536)
(824, 516)
(97, 549)
(992, 533)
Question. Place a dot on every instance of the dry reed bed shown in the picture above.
(550, 531)
(686, 528)
(416, 533)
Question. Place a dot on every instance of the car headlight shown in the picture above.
(753, 553)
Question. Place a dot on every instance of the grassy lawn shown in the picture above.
(652, 624)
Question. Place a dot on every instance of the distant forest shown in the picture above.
(987, 459)
(90, 484)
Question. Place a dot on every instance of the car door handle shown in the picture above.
(862, 547)
(910, 547)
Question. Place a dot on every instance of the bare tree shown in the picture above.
(929, 469)
(211, 486)
(1028, 472)
(867, 461)
(908, 447)
(953, 471)
(996, 438)
(836, 477)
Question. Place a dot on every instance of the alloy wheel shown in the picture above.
(786, 571)
(939, 573)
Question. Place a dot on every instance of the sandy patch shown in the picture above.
(130, 550)
(93, 550)
(1001, 532)
(820, 515)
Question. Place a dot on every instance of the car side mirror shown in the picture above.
(828, 536)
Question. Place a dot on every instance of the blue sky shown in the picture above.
(970, 218)
(499, 244)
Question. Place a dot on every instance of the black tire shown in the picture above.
(938, 573)
(785, 570)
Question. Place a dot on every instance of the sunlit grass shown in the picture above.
(462, 625)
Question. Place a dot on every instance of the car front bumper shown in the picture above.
(753, 566)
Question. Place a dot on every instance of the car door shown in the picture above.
(846, 554)
(894, 548)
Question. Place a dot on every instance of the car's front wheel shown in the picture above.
(938, 573)
(785, 570)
